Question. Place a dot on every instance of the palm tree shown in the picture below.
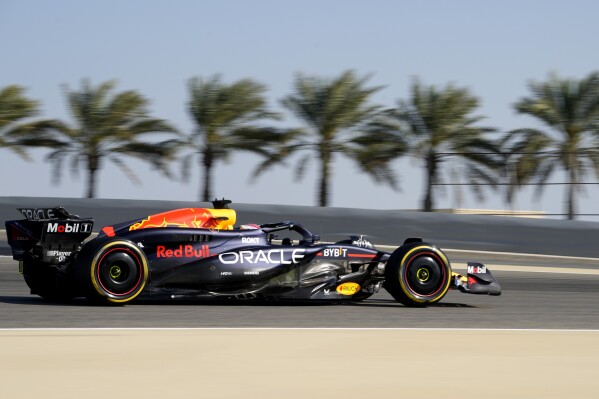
(228, 118)
(17, 131)
(382, 141)
(108, 127)
(336, 113)
(569, 110)
(442, 125)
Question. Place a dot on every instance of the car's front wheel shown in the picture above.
(417, 274)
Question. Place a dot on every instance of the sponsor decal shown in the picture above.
(251, 273)
(38, 214)
(63, 227)
(18, 234)
(57, 253)
(226, 273)
(61, 255)
(348, 288)
(183, 251)
(362, 242)
(273, 256)
(334, 252)
(327, 291)
(250, 240)
(477, 269)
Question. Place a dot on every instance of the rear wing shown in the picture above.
(53, 234)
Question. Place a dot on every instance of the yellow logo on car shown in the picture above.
(348, 288)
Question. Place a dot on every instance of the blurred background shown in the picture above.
(453, 107)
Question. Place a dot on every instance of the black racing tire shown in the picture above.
(112, 272)
(417, 274)
(47, 281)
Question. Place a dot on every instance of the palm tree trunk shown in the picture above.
(325, 174)
(92, 168)
(431, 173)
(509, 184)
(207, 162)
(572, 188)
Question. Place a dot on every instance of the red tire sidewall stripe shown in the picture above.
(439, 262)
(137, 263)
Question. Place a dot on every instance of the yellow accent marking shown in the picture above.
(95, 264)
(348, 288)
(407, 291)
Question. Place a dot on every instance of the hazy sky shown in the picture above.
(492, 47)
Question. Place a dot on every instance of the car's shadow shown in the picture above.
(81, 302)
(36, 301)
(390, 303)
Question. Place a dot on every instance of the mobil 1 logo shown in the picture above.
(68, 227)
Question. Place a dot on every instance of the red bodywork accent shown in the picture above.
(361, 256)
(472, 280)
(137, 263)
(108, 230)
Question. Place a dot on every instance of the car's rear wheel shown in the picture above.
(115, 272)
(417, 274)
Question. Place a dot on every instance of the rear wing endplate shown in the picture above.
(58, 232)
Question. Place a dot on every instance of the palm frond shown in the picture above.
(14, 106)
(126, 170)
(301, 167)
(186, 166)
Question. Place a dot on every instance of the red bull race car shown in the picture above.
(199, 253)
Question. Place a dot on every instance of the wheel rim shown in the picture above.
(119, 271)
(425, 274)
(115, 271)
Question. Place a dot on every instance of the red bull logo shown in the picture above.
(183, 251)
(218, 219)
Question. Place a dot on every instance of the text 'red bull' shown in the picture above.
(184, 251)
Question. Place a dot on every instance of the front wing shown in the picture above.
(478, 280)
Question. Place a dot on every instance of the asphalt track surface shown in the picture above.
(565, 299)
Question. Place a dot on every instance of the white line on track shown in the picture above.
(468, 251)
(532, 269)
(523, 254)
(298, 329)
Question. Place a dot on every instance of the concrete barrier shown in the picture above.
(388, 227)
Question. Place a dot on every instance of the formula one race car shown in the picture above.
(197, 253)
